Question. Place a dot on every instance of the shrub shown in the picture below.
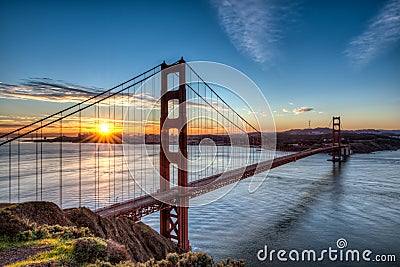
(88, 250)
(11, 226)
(42, 232)
(53, 231)
(195, 258)
(200, 259)
(173, 258)
(230, 263)
(100, 263)
(116, 252)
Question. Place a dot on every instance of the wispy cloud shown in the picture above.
(285, 110)
(46, 89)
(49, 90)
(252, 26)
(297, 111)
(382, 32)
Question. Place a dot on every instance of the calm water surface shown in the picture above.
(308, 204)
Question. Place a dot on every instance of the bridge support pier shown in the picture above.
(174, 219)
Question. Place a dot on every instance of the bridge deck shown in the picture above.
(147, 204)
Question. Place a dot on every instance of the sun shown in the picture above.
(104, 129)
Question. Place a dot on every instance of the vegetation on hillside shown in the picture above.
(40, 234)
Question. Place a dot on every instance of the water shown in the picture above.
(109, 173)
(308, 204)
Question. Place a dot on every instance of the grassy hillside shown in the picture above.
(41, 234)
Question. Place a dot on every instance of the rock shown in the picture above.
(123, 235)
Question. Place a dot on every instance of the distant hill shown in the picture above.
(320, 130)
(315, 131)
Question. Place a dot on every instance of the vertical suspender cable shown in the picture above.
(115, 143)
(109, 143)
(98, 158)
(9, 172)
(36, 166)
(61, 155)
(95, 162)
(152, 117)
(18, 169)
(129, 144)
(141, 145)
(80, 157)
(122, 144)
(41, 162)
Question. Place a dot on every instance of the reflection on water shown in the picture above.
(108, 173)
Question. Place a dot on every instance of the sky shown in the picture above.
(311, 59)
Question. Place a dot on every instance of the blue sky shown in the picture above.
(338, 57)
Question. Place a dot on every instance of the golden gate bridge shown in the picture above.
(149, 144)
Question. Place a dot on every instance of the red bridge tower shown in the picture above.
(174, 218)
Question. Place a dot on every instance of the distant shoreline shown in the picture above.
(362, 141)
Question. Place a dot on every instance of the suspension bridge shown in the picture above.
(149, 144)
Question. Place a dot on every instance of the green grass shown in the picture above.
(61, 252)
(76, 246)
(5, 244)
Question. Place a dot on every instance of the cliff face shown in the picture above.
(141, 242)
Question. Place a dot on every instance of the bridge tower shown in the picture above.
(336, 139)
(174, 219)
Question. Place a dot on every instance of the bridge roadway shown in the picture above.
(147, 204)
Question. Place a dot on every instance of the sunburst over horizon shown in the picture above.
(104, 129)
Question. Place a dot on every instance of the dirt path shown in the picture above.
(13, 255)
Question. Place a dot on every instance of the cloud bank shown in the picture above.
(382, 33)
